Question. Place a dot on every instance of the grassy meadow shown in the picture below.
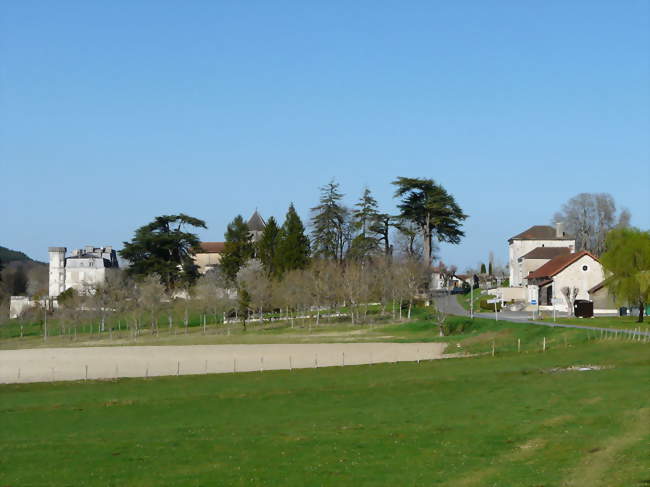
(511, 419)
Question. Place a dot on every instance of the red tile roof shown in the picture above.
(559, 263)
(212, 247)
(546, 252)
(539, 232)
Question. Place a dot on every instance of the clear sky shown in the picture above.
(114, 112)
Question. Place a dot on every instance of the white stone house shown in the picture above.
(83, 269)
(524, 243)
(581, 271)
(80, 271)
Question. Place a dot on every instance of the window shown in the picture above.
(585, 268)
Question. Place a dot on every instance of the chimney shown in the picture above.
(559, 229)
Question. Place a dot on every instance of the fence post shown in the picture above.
(493, 347)
(544, 345)
(417, 354)
(178, 367)
(343, 359)
(86, 376)
(518, 345)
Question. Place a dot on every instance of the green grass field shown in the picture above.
(508, 420)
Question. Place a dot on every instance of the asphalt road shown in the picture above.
(449, 304)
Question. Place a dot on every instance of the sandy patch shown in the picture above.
(54, 364)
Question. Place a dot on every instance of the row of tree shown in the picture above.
(427, 212)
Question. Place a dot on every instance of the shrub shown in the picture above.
(484, 305)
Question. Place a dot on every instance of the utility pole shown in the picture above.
(471, 301)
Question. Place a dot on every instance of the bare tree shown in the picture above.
(589, 217)
(570, 294)
(151, 295)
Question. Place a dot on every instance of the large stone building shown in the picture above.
(521, 247)
(210, 254)
(83, 269)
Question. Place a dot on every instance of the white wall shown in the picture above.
(574, 276)
(519, 248)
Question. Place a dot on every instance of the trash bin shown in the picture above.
(583, 308)
(622, 311)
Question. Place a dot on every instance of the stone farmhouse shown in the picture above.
(580, 271)
(210, 254)
(521, 247)
(543, 262)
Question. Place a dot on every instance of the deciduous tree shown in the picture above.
(589, 217)
(627, 261)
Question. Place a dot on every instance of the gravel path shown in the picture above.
(58, 364)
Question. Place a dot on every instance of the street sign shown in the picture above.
(533, 301)
(492, 301)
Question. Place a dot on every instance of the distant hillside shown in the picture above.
(8, 255)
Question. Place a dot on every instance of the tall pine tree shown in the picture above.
(293, 245)
(238, 248)
(365, 222)
(329, 223)
(267, 247)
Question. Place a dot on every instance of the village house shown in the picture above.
(522, 259)
(579, 271)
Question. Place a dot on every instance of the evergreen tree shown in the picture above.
(238, 248)
(267, 247)
(163, 248)
(329, 222)
(483, 271)
(490, 268)
(432, 209)
(293, 245)
(365, 221)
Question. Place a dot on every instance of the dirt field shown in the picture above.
(58, 364)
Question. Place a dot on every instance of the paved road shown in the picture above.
(57, 364)
(450, 305)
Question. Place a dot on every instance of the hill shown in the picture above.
(8, 255)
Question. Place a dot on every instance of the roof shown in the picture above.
(212, 247)
(546, 252)
(539, 232)
(256, 222)
(558, 264)
(597, 287)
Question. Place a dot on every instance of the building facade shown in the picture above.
(81, 270)
(538, 236)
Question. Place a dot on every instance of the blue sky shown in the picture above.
(114, 112)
